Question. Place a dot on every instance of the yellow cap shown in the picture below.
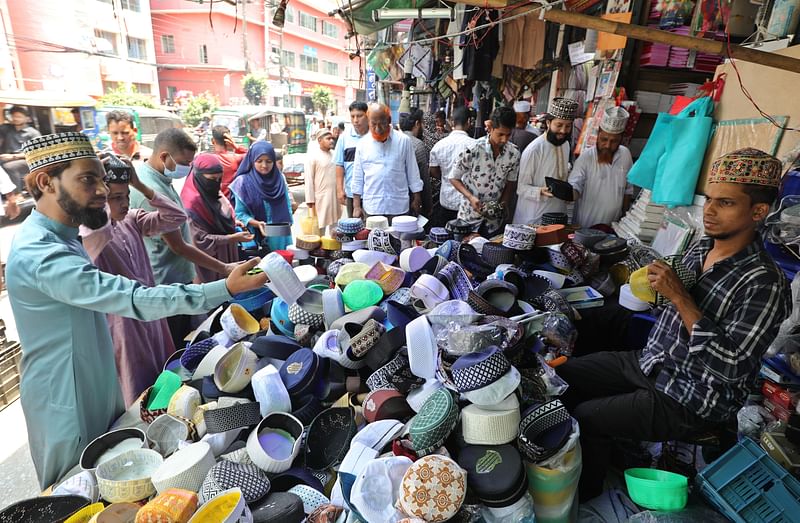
(330, 244)
(640, 286)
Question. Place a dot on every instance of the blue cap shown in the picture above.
(275, 346)
(279, 317)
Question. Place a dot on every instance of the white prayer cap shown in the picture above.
(614, 120)
(521, 106)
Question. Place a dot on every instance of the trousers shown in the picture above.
(610, 397)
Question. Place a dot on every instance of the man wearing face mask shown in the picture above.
(546, 156)
(385, 170)
(69, 389)
(172, 255)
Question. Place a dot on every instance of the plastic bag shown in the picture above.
(752, 420)
(558, 331)
(458, 340)
(555, 386)
(519, 512)
(788, 338)
(688, 515)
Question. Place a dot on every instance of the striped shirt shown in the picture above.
(712, 369)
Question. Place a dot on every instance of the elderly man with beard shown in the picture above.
(601, 172)
(70, 393)
(546, 156)
(385, 170)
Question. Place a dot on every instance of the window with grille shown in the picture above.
(106, 42)
(309, 63)
(203, 54)
(131, 5)
(308, 21)
(137, 48)
(329, 29)
(330, 68)
(167, 44)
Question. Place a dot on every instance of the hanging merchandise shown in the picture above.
(481, 46)
(384, 61)
(670, 162)
(523, 39)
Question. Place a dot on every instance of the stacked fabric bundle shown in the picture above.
(387, 383)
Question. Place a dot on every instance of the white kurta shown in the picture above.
(539, 160)
(602, 186)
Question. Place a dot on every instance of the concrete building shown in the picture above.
(207, 48)
(312, 50)
(84, 47)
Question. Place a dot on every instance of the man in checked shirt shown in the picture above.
(703, 355)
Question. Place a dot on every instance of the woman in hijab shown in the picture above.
(261, 195)
(211, 216)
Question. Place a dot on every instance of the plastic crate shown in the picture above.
(748, 486)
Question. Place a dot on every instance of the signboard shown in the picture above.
(372, 85)
(310, 51)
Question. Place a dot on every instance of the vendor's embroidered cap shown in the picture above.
(57, 148)
(270, 392)
(350, 226)
(384, 404)
(422, 348)
(747, 165)
(563, 108)
(377, 486)
(433, 488)
(614, 120)
(436, 420)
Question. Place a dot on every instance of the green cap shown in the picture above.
(361, 294)
(435, 421)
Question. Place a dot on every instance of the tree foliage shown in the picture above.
(255, 88)
(198, 106)
(322, 98)
(127, 95)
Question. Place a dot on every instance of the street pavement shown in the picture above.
(17, 475)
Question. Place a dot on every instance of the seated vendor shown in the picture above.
(704, 352)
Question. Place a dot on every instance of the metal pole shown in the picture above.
(244, 36)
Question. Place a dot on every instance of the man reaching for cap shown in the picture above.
(546, 156)
(702, 357)
(70, 393)
(140, 347)
(601, 173)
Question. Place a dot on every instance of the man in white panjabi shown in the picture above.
(546, 156)
(599, 176)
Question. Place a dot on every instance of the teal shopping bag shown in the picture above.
(643, 172)
(679, 166)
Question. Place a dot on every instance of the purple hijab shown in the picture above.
(254, 190)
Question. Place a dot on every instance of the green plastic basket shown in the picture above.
(657, 489)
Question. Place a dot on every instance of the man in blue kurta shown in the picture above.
(70, 393)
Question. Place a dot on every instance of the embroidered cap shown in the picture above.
(433, 488)
(57, 148)
(747, 165)
(615, 120)
(563, 108)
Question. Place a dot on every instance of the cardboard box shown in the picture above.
(779, 395)
(781, 450)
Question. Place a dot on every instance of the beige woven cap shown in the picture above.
(615, 120)
(497, 426)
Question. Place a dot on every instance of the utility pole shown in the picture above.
(244, 36)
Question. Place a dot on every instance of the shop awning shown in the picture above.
(358, 13)
(46, 99)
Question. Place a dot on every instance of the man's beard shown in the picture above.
(555, 140)
(381, 137)
(605, 156)
(92, 218)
